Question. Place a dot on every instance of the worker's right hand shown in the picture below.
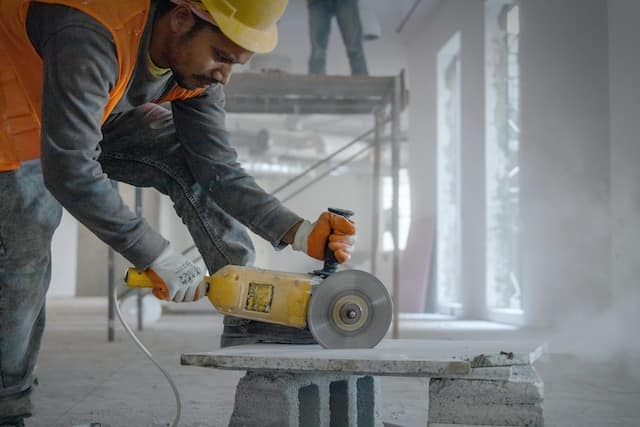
(176, 278)
(332, 230)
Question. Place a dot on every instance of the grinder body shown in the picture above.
(253, 293)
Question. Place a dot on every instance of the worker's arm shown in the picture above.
(80, 68)
(214, 162)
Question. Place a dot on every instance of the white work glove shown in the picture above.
(176, 278)
(338, 231)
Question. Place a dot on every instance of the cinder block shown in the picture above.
(268, 399)
(524, 387)
(502, 415)
(517, 402)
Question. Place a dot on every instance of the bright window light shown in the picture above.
(502, 93)
(449, 223)
(404, 215)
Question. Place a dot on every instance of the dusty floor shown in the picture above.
(84, 379)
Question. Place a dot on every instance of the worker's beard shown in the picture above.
(194, 81)
(183, 81)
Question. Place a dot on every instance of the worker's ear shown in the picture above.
(181, 20)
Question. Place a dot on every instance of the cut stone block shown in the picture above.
(516, 402)
(525, 387)
(415, 358)
(301, 400)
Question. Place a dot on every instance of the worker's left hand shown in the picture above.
(332, 229)
(175, 278)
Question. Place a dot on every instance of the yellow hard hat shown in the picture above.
(250, 24)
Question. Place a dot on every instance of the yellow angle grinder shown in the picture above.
(345, 309)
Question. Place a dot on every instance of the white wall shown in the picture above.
(624, 74)
(468, 18)
(564, 160)
(565, 151)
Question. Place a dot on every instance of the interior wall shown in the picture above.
(564, 153)
(448, 18)
(624, 71)
(564, 160)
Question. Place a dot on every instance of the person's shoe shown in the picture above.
(239, 331)
(12, 422)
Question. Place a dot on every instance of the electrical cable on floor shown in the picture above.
(148, 354)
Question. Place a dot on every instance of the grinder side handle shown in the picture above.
(330, 262)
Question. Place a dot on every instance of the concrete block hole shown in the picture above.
(339, 404)
(309, 406)
(365, 399)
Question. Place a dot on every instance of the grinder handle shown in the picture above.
(330, 262)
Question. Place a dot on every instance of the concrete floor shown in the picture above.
(84, 379)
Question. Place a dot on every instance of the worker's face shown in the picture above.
(202, 55)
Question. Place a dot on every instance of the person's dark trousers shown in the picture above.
(140, 148)
(348, 17)
(28, 217)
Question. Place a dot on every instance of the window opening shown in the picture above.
(449, 224)
(502, 91)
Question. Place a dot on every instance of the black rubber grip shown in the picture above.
(330, 263)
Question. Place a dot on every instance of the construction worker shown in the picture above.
(80, 86)
(347, 13)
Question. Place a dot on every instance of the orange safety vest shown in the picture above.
(21, 70)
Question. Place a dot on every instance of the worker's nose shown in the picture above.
(223, 74)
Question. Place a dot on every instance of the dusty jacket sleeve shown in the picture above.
(80, 68)
(214, 162)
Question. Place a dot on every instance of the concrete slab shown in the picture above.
(415, 358)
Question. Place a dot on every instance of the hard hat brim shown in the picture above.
(258, 41)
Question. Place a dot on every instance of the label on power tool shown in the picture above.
(259, 297)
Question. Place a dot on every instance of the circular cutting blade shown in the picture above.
(349, 309)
